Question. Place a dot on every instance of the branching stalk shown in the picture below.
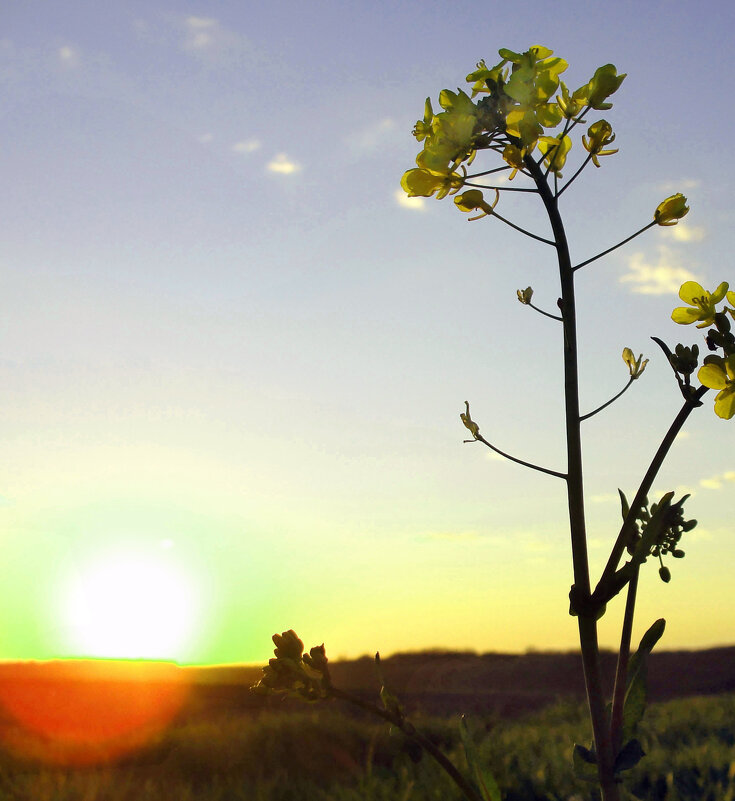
(546, 470)
(575, 493)
(615, 247)
(545, 313)
(521, 230)
(603, 586)
(605, 405)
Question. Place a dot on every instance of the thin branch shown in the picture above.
(489, 172)
(482, 439)
(621, 672)
(615, 247)
(606, 581)
(502, 188)
(523, 230)
(545, 313)
(410, 731)
(605, 405)
(569, 182)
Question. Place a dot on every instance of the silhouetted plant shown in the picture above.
(524, 118)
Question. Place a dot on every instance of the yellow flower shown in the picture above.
(600, 134)
(513, 156)
(556, 150)
(704, 304)
(469, 423)
(422, 129)
(635, 366)
(572, 104)
(671, 210)
(525, 295)
(604, 82)
(472, 199)
(719, 373)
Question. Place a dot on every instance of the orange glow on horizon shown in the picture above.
(78, 713)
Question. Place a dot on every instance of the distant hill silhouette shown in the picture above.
(434, 682)
(505, 685)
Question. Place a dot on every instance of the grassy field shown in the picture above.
(320, 753)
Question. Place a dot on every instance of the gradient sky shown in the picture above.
(234, 356)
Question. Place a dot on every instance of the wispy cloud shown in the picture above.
(605, 497)
(687, 233)
(718, 481)
(205, 138)
(373, 137)
(414, 203)
(664, 276)
(282, 164)
(208, 40)
(681, 185)
(246, 146)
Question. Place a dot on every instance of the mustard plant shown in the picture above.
(521, 114)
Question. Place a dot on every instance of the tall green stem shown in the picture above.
(575, 492)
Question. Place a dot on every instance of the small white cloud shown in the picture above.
(415, 203)
(282, 164)
(715, 482)
(686, 233)
(68, 56)
(605, 497)
(679, 186)
(246, 146)
(205, 138)
(208, 40)
(201, 32)
(662, 277)
(683, 435)
(371, 138)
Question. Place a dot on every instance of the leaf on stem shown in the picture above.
(484, 780)
(636, 694)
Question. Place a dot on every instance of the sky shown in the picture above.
(234, 356)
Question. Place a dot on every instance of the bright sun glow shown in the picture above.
(130, 605)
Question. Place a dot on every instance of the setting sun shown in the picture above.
(129, 605)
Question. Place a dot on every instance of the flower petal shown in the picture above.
(712, 376)
(719, 293)
(690, 290)
(725, 403)
(684, 315)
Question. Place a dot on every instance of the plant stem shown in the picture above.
(575, 493)
(615, 247)
(621, 672)
(605, 405)
(521, 230)
(410, 731)
(645, 486)
(533, 466)
(545, 313)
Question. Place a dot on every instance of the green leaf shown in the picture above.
(636, 695)
(584, 763)
(484, 780)
(628, 756)
(624, 505)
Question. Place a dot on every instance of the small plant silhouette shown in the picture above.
(524, 118)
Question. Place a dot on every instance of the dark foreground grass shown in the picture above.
(321, 754)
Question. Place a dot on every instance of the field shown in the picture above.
(224, 747)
